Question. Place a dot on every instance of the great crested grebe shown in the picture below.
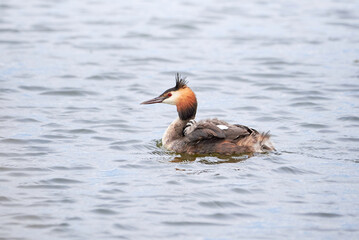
(185, 135)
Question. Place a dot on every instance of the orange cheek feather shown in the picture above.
(187, 98)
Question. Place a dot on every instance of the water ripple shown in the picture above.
(80, 158)
(69, 93)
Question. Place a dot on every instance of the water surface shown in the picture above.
(81, 159)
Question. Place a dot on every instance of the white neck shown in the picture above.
(173, 132)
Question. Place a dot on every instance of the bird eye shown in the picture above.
(169, 94)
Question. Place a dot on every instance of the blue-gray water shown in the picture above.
(80, 157)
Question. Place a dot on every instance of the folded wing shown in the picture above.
(217, 129)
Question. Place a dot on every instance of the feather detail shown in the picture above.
(180, 82)
(186, 104)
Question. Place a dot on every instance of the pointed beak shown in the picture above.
(155, 100)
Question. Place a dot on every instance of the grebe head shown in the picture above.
(181, 96)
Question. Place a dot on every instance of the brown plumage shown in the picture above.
(184, 135)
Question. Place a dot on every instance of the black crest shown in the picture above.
(180, 82)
